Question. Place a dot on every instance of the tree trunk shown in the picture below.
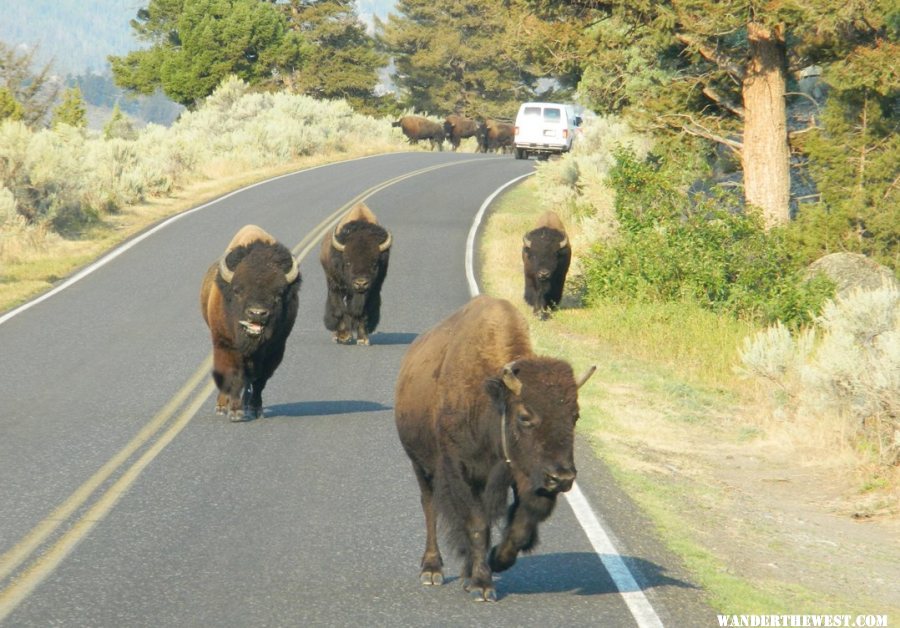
(765, 156)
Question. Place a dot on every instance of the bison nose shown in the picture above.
(559, 479)
(543, 275)
(258, 313)
(360, 284)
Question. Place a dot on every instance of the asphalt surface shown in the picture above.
(125, 501)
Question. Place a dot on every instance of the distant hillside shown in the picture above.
(78, 35)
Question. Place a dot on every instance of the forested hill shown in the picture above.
(78, 35)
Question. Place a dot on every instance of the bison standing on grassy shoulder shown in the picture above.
(249, 302)
(546, 256)
(355, 259)
(478, 414)
(417, 128)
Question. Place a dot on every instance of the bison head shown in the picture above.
(543, 251)
(364, 249)
(537, 399)
(259, 283)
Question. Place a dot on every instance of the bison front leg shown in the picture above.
(521, 533)
(229, 380)
(477, 578)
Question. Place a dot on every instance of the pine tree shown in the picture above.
(197, 43)
(337, 57)
(33, 90)
(71, 110)
(10, 109)
(118, 126)
(727, 64)
(456, 56)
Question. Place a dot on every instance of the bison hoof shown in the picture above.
(362, 341)
(431, 578)
(343, 339)
(237, 416)
(221, 410)
(480, 593)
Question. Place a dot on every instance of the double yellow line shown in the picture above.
(190, 398)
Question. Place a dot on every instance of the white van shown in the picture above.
(544, 128)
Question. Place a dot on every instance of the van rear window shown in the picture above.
(552, 115)
(532, 111)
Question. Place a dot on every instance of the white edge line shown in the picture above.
(473, 231)
(600, 539)
(106, 259)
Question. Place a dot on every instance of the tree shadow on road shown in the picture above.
(582, 573)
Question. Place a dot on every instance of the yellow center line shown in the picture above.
(45, 564)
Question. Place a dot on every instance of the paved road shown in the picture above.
(124, 500)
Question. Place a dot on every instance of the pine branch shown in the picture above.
(692, 127)
(712, 55)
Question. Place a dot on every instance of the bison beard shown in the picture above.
(249, 301)
(480, 416)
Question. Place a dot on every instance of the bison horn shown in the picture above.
(526, 242)
(510, 380)
(291, 275)
(227, 273)
(564, 243)
(384, 246)
(586, 376)
(334, 242)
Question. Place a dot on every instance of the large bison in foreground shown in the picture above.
(478, 414)
(417, 128)
(355, 259)
(249, 301)
(546, 255)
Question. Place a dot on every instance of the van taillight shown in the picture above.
(516, 131)
(565, 134)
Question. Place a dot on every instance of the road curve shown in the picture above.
(127, 502)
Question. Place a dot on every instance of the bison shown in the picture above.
(478, 414)
(355, 258)
(417, 128)
(495, 135)
(546, 255)
(249, 302)
(457, 128)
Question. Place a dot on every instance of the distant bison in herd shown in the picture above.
(478, 414)
(249, 301)
(355, 259)
(458, 128)
(546, 255)
(417, 128)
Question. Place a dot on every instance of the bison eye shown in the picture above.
(525, 420)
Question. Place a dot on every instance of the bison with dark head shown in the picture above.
(417, 128)
(546, 255)
(494, 135)
(482, 417)
(355, 258)
(249, 302)
(458, 127)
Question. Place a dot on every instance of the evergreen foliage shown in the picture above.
(339, 59)
(10, 109)
(33, 90)
(195, 44)
(71, 110)
(457, 56)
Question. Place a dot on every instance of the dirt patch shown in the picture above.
(771, 513)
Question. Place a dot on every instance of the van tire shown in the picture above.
(521, 154)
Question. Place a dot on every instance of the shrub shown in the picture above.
(847, 364)
(704, 249)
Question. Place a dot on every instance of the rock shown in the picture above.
(853, 270)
